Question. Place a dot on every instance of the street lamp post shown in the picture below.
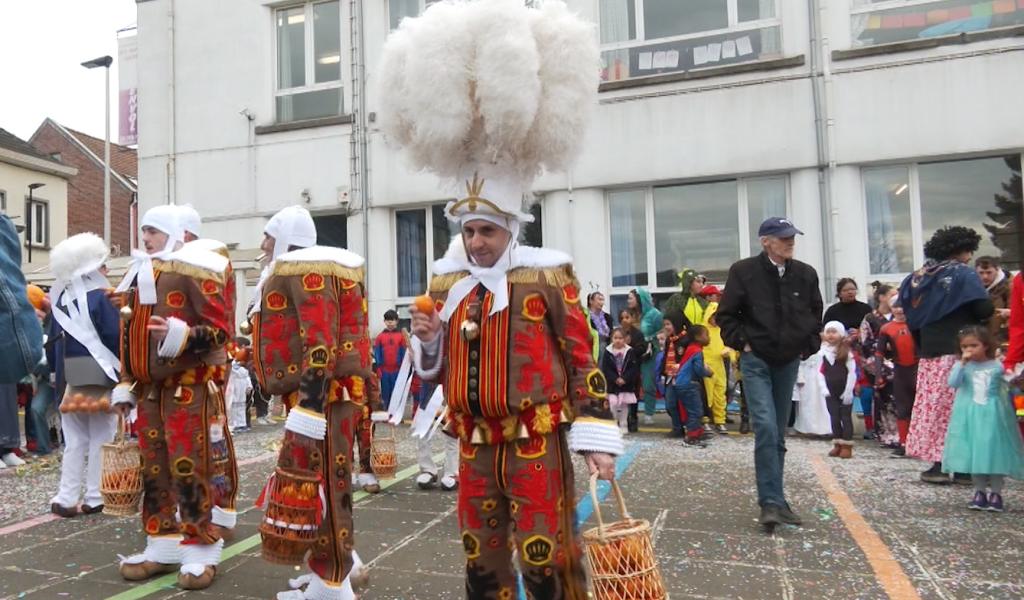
(105, 62)
(28, 217)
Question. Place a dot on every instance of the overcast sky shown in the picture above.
(42, 46)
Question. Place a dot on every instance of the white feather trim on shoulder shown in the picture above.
(529, 257)
(341, 256)
(78, 255)
(199, 257)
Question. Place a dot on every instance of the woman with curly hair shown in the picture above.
(939, 299)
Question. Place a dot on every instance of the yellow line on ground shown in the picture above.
(888, 572)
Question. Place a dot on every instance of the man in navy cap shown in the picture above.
(771, 309)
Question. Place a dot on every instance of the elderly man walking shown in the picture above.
(771, 309)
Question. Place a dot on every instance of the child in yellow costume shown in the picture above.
(714, 358)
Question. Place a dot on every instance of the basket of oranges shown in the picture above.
(294, 511)
(75, 401)
(621, 555)
(383, 452)
(121, 476)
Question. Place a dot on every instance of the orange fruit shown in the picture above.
(36, 295)
(424, 304)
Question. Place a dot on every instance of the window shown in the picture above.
(656, 232)
(400, 9)
(37, 223)
(907, 204)
(308, 61)
(331, 230)
(418, 229)
(887, 21)
(649, 37)
(3, 202)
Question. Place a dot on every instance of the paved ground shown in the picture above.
(872, 531)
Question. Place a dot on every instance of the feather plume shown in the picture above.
(489, 86)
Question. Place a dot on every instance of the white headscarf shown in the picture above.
(75, 263)
(494, 278)
(291, 226)
(167, 219)
(191, 222)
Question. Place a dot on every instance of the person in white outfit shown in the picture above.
(428, 477)
(812, 418)
(238, 389)
(85, 328)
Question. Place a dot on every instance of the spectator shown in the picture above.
(689, 300)
(715, 355)
(37, 427)
(849, 310)
(881, 420)
(621, 368)
(939, 299)
(668, 364)
(650, 321)
(837, 376)
(997, 282)
(388, 354)
(600, 322)
(771, 310)
(896, 344)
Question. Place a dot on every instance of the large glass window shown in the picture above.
(308, 61)
(656, 232)
(650, 37)
(887, 200)
(907, 204)
(400, 9)
(887, 21)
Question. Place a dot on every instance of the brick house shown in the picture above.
(85, 190)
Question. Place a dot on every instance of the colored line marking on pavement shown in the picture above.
(888, 572)
(585, 507)
(169, 581)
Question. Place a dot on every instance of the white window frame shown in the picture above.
(310, 55)
(742, 208)
(734, 26)
(45, 229)
(916, 220)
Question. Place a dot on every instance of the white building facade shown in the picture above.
(870, 123)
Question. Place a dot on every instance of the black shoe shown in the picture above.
(62, 511)
(691, 442)
(744, 427)
(899, 452)
(789, 517)
(91, 510)
(729, 420)
(770, 516)
(962, 479)
(935, 475)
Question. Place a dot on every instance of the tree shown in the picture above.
(1007, 230)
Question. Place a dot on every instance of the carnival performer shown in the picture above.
(223, 464)
(509, 338)
(85, 326)
(172, 352)
(312, 347)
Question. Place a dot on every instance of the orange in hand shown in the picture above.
(36, 296)
(424, 304)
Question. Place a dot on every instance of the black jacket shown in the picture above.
(630, 371)
(780, 317)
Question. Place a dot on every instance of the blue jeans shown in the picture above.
(769, 393)
(42, 402)
(672, 408)
(690, 396)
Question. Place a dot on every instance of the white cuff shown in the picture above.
(177, 337)
(319, 589)
(427, 353)
(595, 435)
(379, 416)
(223, 517)
(307, 423)
(367, 479)
(122, 394)
(196, 557)
(164, 549)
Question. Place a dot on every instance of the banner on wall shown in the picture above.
(128, 98)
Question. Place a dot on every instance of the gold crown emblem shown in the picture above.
(474, 199)
(473, 190)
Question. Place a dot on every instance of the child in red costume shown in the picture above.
(388, 352)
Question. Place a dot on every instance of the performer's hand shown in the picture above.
(602, 464)
(1004, 313)
(157, 327)
(425, 326)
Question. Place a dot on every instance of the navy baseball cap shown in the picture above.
(779, 227)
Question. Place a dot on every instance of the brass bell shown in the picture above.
(126, 313)
(470, 330)
(245, 328)
(477, 437)
(524, 433)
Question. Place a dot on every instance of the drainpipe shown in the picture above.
(172, 113)
(821, 83)
(358, 142)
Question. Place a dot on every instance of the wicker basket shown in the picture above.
(621, 555)
(383, 454)
(121, 480)
(293, 516)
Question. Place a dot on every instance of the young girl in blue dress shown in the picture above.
(982, 438)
